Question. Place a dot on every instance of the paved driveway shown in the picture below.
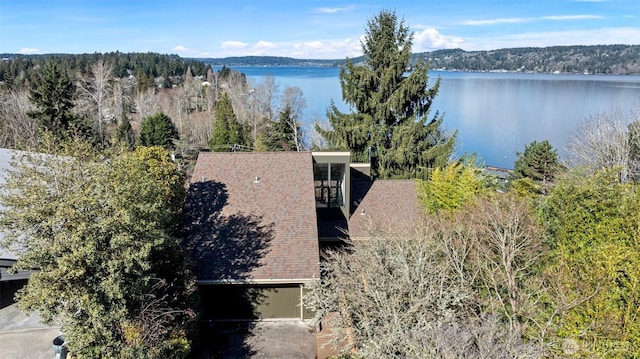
(24, 337)
(266, 339)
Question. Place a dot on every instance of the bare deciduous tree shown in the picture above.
(294, 99)
(97, 89)
(121, 99)
(17, 130)
(508, 245)
(259, 105)
(412, 295)
(146, 103)
(602, 141)
(315, 139)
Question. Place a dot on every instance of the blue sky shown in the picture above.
(305, 28)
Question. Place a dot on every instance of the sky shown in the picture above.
(305, 29)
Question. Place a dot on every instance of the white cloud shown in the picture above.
(516, 20)
(327, 49)
(28, 51)
(495, 21)
(333, 10)
(180, 48)
(234, 45)
(623, 35)
(309, 45)
(313, 49)
(430, 39)
(264, 45)
(571, 17)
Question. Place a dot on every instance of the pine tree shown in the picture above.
(158, 130)
(53, 98)
(144, 82)
(539, 162)
(124, 133)
(228, 134)
(391, 126)
(281, 135)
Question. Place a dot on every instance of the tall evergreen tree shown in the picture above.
(228, 134)
(391, 126)
(158, 130)
(281, 135)
(124, 133)
(53, 98)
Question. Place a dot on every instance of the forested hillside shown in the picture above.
(597, 59)
(601, 59)
(18, 70)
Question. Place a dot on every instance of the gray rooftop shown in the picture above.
(5, 158)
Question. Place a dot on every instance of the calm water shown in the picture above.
(496, 114)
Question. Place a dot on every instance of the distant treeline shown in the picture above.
(17, 70)
(596, 59)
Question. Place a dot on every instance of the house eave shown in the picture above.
(255, 281)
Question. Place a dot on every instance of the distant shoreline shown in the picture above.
(592, 59)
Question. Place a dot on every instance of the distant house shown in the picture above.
(255, 225)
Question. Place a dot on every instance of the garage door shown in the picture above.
(250, 302)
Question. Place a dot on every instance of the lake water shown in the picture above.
(495, 114)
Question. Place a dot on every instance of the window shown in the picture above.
(329, 184)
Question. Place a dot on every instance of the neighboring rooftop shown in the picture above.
(388, 204)
(5, 159)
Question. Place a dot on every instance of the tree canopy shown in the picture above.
(124, 133)
(228, 134)
(391, 125)
(452, 187)
(592, 226)
(538, 163)
(281, 135)
(158, 130)
(53, 97)
(101, 227)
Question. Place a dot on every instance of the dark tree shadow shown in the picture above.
(223, 248)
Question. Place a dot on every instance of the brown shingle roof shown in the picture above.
(251, 216)
(388, 204)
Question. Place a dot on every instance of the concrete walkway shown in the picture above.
(24, 337)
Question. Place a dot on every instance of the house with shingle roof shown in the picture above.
(255, 224)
